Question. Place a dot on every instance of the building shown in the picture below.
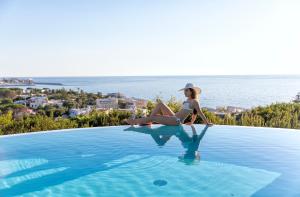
(107, 103)
(297, 98)
(221, 108)
(140, 103)
(221, 111)
(38, 101)
(45, 90)
(212, 110)
(58, 103)
(221, 114)
(75, 112)
(21, 112)
(24, 96)
(27, 90)
(129, 102)
(21, 102)
(232, 109)
(131, 106)
(115, 95)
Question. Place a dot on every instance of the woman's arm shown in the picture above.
(201, 114)
(194, 116)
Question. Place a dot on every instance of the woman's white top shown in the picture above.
(186, 106)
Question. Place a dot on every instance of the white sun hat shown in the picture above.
(190, 85)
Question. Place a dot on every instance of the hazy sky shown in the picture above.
(150, 37)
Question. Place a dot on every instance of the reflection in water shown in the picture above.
(161, 135)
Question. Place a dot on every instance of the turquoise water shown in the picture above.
(242, 91)
(152, 161)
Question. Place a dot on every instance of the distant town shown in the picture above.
(33, 100)
(70, 103)
(22, 82)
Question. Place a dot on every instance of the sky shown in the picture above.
(142, 37)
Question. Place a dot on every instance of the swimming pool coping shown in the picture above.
(103, 127)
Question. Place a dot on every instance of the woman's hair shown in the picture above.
(194, 93)
(193, 96)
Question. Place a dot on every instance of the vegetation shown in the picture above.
(9, 92)
(42, 122)
(279, 115)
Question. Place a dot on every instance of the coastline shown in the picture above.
(244, 91)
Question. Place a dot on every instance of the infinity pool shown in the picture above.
(152, 161)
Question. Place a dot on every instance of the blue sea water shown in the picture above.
(152, 161)
(242, 91)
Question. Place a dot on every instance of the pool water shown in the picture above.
(152, 161)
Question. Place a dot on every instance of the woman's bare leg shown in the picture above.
(156, 110)
(140, 121)
(163, 109)
(159, 109)
(166, 120)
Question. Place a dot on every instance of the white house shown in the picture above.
(38, 101)
(54, 102)
(21, 102)
(213, 110)
(297, 98)
(131, 106)
(107, 103)
(140, 103)
(45, 90)
(232, 109)
(75, 112)
(24, 96)
(27, 90)
(136, 102)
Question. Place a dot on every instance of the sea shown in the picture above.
(217, 91)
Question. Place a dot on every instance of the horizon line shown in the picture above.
(204, 75)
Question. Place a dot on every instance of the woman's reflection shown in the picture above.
(161, 135)
(191, 154)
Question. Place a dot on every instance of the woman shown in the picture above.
(162, 114)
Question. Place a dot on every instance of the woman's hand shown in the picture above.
(199, 111)
(209, 124)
